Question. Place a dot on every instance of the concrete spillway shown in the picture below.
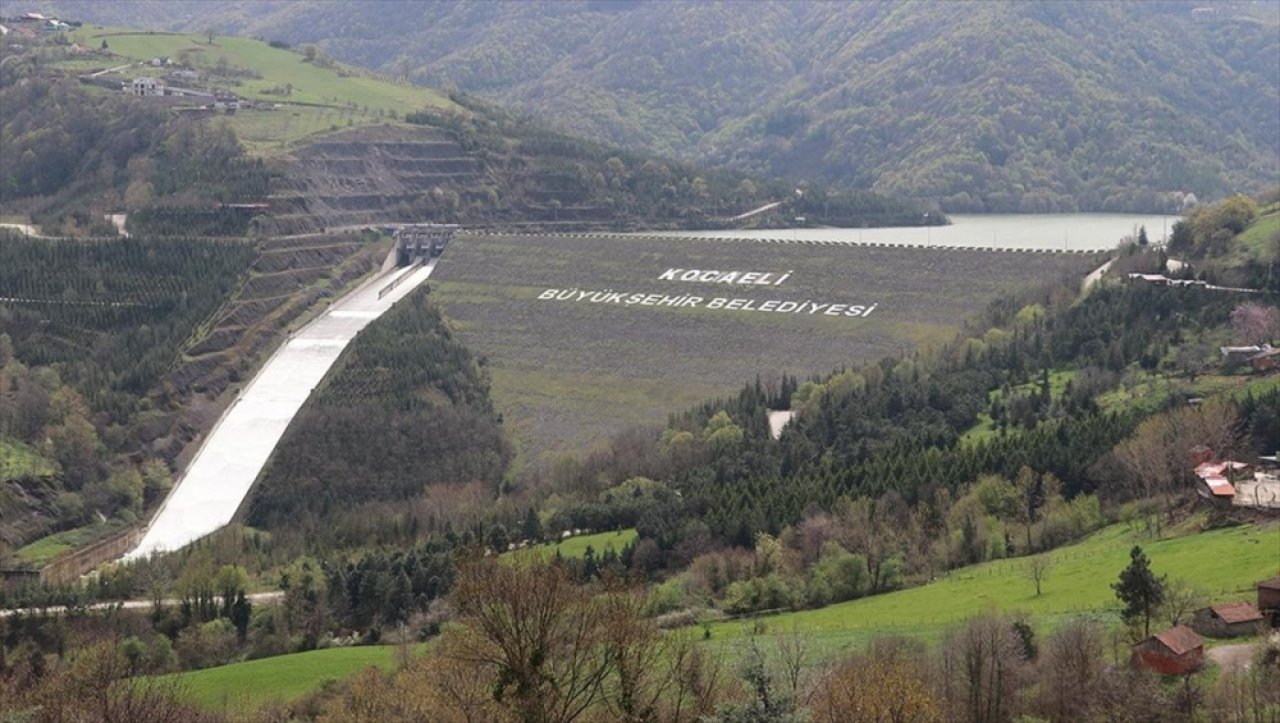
(231, 457)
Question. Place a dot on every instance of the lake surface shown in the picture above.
(1058, 231)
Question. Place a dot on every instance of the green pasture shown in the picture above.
(576, 547)
(1261, 239)
(245, 686)
(18, 460)
(339, 85)
(49, 548)
(1223, 563)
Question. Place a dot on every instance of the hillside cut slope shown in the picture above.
(983, 106)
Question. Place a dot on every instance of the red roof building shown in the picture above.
(1227, 620)
(1175, 651)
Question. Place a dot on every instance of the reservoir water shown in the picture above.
(1059, 231)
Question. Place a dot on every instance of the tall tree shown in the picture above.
(1140, 590)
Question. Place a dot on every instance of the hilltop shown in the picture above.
(308, 143)
(979, 106)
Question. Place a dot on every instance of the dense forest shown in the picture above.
(404, 412)
(981, 107)
(88, 330)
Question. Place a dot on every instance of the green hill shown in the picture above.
(983, 106)
(245, 686)
(1224, 564)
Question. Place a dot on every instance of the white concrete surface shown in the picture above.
(778, 420)
(229, 460)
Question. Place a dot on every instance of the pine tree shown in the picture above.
(1139, 589)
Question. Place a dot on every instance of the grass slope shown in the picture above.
(576, 547)
(568, 373)
(1223, 563)
(321, 97)
(247, 685)
(1261, 240)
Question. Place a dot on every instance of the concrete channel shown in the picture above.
(216, 482)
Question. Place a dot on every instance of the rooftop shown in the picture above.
(1180, 640)
(1236, 612)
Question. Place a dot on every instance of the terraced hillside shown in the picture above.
(569, 370)
(287, 278)
(370, 175)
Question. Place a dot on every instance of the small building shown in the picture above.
(184, 76)
(1157, 279)
(1216, 488)
(1227, 620)
(146, 87)
(1238, 354)
(1269, 595)
(1176, 651)
(1265, 361)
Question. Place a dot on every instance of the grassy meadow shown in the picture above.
(576, 547)
(1223, 563)
(319, 98)
(567, 374)
(248, 685)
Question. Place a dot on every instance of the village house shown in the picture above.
(146, 87)
(1227, 620)
(1269, 598)
(1176, 651)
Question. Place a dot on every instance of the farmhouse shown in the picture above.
(1227, 620)
(1176, 651)
(1269, 595)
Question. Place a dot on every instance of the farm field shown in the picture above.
(245, 686)
(1223, 563)
(567, 373)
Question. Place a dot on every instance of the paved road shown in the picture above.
(756, 211)
(229, 460)
(257, 598)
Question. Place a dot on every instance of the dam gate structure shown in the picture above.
(422, 242)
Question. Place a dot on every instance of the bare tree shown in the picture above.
(1181, 600)
(1154, 464)
(540, 638)
(1037, 570)
(1071, 662)
(982, 670)
(794, 659)
(884, 683)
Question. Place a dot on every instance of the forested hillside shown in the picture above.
(981, 106)
(404, 411)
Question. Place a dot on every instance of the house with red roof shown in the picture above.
(1227, 620)
(1176, 651)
